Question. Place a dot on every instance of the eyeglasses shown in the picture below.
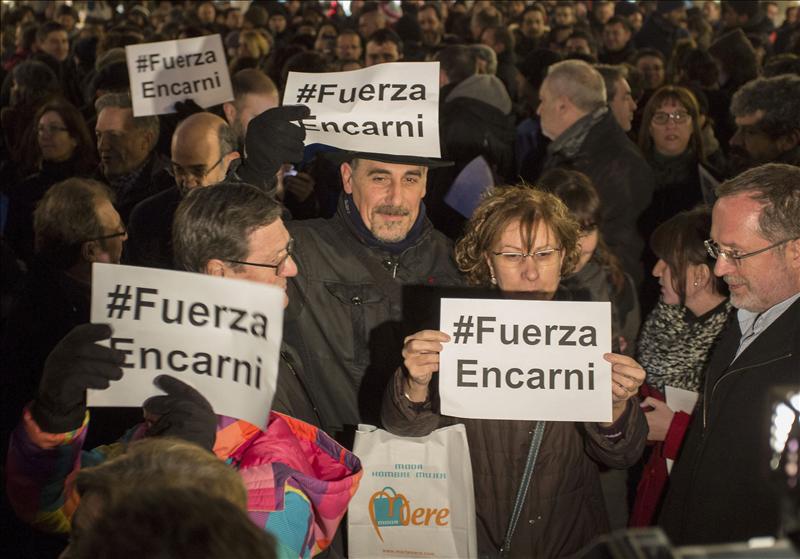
(542, 258)
(679, 117)
(51, 129)
(278, 267)
(715, 251)
(199, 172)
(110, 236)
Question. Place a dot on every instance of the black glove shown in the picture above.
(271, 141)
(75, 364)
(182, 413)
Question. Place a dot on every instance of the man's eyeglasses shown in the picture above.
(109, 236)
(278, 266)
(715, 251)
(198, 172)
(679, 117)
(542, 258)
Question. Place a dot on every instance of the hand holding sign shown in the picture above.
(271, 141)
(421, 359)
(75, 364)
(626, 378)
(182, 413)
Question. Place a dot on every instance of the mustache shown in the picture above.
(388, 209)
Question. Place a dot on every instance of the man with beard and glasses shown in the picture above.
(719, 490)
(346, 304)
(767, 115)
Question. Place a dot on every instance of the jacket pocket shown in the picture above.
(362, 303)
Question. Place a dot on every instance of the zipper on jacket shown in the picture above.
(707, 401)
(303, 384)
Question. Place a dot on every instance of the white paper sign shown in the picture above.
(221, 336)
(169, 71)
(679, 399)
(387, 108)
(528, 360)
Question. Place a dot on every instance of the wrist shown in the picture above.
(415, 392)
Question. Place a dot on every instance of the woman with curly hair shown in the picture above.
(521, 241)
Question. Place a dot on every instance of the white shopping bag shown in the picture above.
(415, 498)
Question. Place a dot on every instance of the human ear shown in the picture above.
(347, 175)
(216, 267)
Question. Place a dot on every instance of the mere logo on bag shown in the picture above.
(393, 509)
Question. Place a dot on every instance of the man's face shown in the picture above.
(430, 25)
(761, 281)
(677, 17)
(348, 47)
(277, 24)
(122, 148)
(387, 195)
(578, 45)
(750, 145)
(603, 11)
(615, 37)
(369, 23)
(548, 112)
(564, 15)
(234, 19)
(267, 245)
(56, 44)
(109, 249)
(711, 11)
(533, 24)
(377, 54)
(248, 107)
(197, 163)
(206, 12)
(623, 105)
(652, 69)
(772, 12)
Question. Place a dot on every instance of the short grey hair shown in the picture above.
(146, 124)
(611, 75)
(775, 185)
(578, 82)
(487, 54)
(778, 97)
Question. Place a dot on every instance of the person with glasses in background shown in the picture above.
(204, 152)
(64, 149)
(672, 142)
(521, 241)
(718, 491)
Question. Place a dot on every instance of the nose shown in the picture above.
(529, 269)
(102, 142)
(289, 269)
(394, 194)
(658, 269)
(723, 266)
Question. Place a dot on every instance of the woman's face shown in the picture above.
(671, 128)
(536, 270)
(244, 50)
(588, 244)
(668, 294)
(54, 140)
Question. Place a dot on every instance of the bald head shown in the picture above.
(203, 146)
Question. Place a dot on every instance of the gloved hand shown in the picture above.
(271, 141)
(182, 413)
(75, 364)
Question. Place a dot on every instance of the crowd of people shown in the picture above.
(643, 153)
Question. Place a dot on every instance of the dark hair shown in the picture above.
(386, 35)
(778, 98)
(48, 27)
(679, 242)
(216, 222)
(256, 16)
(66, 217)
(736, 56)
(612, 73)
(35, 81)
(501, 35)
(699, 67)
(618, 20)
(458, 62)
(580, 196)
(85, 153)
(775, 185)
(785, 63)
(749, 8)
(642, 53)
(29, 36)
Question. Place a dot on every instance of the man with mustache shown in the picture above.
(767, 115)
(719, 491)
(346, 303)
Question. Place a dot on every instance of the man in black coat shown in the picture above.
(586, 137)
(719, 488)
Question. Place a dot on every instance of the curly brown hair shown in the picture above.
(503, 205)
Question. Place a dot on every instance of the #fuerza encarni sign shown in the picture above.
(525, 360)
(166, 72)
(386, 108)
(220, 335)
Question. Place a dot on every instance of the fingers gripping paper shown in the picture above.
(222, 336)
(416, 498)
